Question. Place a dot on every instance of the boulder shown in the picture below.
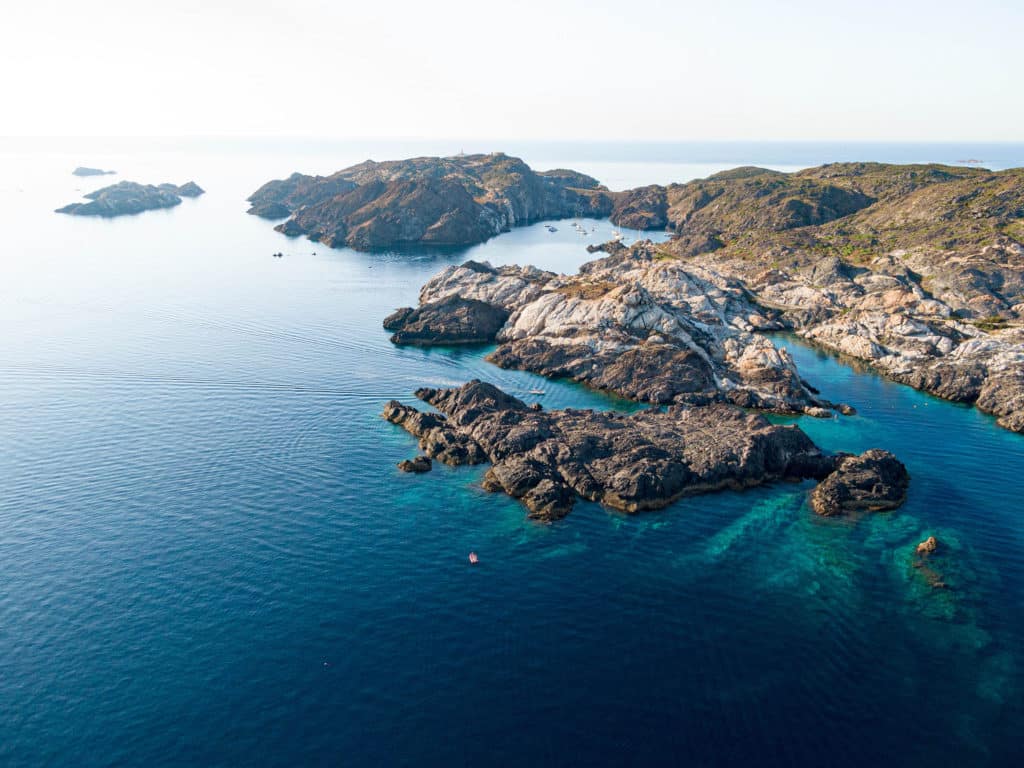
(876, 480)
(927, 546)
(418, 464)
(452, 320)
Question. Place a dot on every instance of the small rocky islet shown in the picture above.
(86, 171)
(129, 197)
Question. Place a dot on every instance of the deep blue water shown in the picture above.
(207, 556)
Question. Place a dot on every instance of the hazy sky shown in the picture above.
(633, 69)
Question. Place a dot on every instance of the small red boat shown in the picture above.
(473, 559)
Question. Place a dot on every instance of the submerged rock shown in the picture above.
(633, 462)
(128, 197)
(876, 480)
(925, 567)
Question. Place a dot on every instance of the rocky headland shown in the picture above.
(645, 460)
(647, 328)
(84, 171)
(128, 197)
(437, 201)
(915, 269)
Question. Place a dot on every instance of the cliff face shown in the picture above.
(128, 197)
(453, 201)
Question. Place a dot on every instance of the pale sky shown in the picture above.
(634, 69)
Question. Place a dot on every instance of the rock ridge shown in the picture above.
(646, 460)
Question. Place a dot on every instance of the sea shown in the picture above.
(209, 558)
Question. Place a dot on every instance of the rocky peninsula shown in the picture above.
(643, 327)
(915, 269)
(634, 462)
(437, 201)
(128, 197)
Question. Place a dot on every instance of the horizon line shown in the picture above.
(491, 139)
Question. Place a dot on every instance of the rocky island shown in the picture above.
(634, 462)
(128, 197)
(438, 201)
(83, 171)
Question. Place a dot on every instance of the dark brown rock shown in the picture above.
(418, 465)
(927, 546)
(453, 320)
(876, 480)
(438, 439)
(642, 208)
(652, 373)
(1003, 396)
(641, 461)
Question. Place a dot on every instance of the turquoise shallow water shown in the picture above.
(207, 556)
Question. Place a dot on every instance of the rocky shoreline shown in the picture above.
(643, 328)
(646, 460)
(129, 197)
(916, 270)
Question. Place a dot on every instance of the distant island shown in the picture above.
(83, 171)
(128, 197)
(442, 201)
